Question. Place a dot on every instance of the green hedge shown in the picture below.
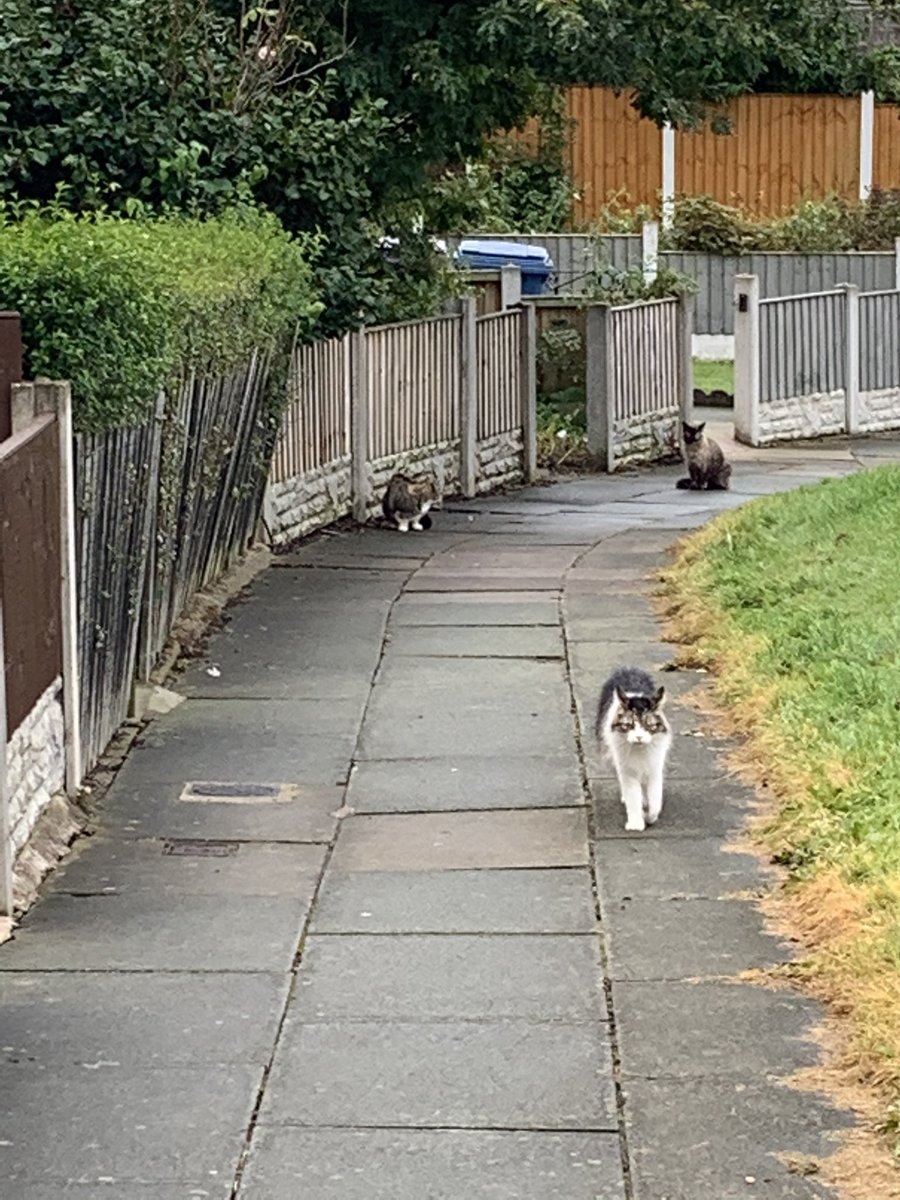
(123, 306)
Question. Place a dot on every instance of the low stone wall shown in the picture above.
(879, 410)
(501, 460)
(35, 764)
(294, 507)
(801, 417)
(645, 439)
(303, 503)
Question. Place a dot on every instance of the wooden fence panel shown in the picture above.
(498, 341)
(413, 385)
(30, 565)
(801, 346)
(315, 430)
(780, 149)
(645, 374)
(614, 151)
(879, 341)
(886, 147)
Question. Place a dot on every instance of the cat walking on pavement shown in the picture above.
(705, 461)
(633, 728)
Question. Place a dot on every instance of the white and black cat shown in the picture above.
(406, 502)
(705, 461)
(634, 730)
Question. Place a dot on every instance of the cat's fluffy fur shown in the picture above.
(705, 461)
(634, 730)
(406, 502)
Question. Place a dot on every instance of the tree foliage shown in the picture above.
(340, 115)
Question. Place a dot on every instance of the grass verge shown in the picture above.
(711, 375)
(794, 603)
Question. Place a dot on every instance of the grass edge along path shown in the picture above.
(793, 604)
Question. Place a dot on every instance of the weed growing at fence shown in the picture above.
(793, 601)
(122, 307)
(611, 285)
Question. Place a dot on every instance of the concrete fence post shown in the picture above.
(468, 398)
(866, 143)
(510, 286)
(851, 359)
(359, 426)
(599, 384)
(650, 250)
(746, 359)
(528, 384)
(686, 355)
(57, 398)
(668, 176)
(897, 264)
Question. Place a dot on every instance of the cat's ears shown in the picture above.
(659, 697)
(621, 697)
(693, 428)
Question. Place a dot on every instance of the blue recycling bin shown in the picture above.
(534, 262)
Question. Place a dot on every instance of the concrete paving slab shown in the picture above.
(692, 808)
(141, 932)
(506, 1075)
(520, 686)
(464, 608)
(434, 581)
(102, 866)
(693, 1140)
(664, 868)
(465, 782)
(687, 939)
(406, 728)
(63, 1020)
(694, 755)
(117, 1123)
(152, 808)
(65, 1189)
(450, 977)
(241, 741)
(477, 641)
(622, 629)
(709, 1030)
(388, 1164)
(539, 901)
(463, 841)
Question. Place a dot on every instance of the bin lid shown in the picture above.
(511, 251)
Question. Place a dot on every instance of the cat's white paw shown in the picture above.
(634, 826)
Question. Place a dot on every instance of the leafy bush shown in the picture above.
(615, 286)
(121, 306)
(826, 226)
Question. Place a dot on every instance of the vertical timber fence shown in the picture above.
(453, 395)
(808, 366)
(162, 509)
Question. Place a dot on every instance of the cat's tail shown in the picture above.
(722, 481)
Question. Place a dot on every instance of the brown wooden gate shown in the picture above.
(30, 564)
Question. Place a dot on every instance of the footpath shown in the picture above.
(361, 920)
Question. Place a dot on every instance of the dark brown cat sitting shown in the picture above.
(705, 461)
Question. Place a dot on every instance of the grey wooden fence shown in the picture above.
(639, 379)
(579, 256)
(161, 510)
(807, 366)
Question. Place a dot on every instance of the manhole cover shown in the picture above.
(200, 849)
(237, 793)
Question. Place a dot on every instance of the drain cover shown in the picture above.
(200, 849)
(237, 793)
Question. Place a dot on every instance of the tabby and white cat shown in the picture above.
(634, 730)
(705, 461)
(406, 502)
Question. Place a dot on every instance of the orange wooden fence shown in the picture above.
(781, 149)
